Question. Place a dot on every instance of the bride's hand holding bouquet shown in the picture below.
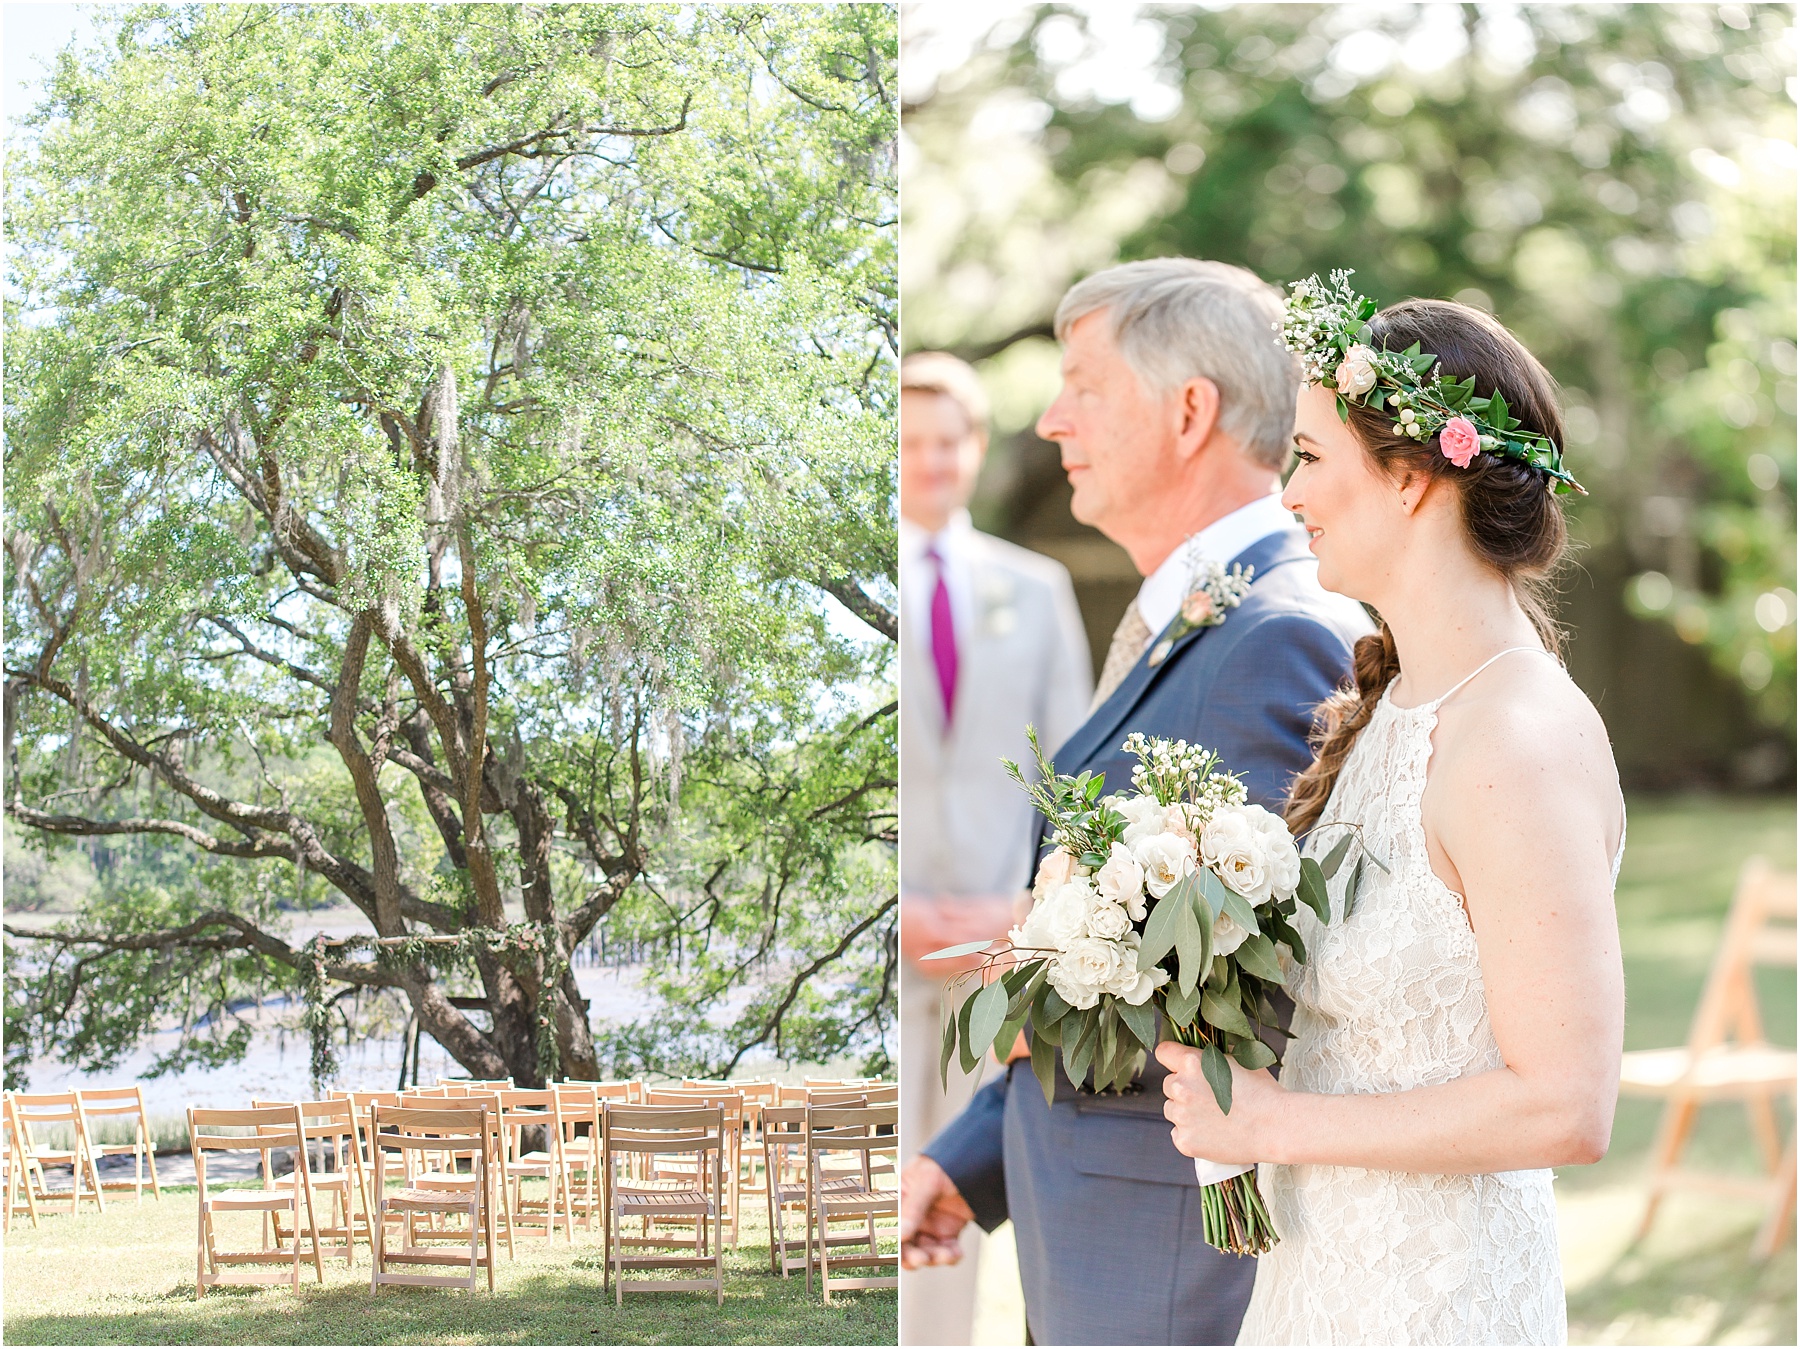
(1173, 898)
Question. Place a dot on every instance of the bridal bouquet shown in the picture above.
(1173, 898)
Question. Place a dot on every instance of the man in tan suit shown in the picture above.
(990, 641)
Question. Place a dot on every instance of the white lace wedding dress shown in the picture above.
(1391, 998)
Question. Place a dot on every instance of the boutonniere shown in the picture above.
(1213, 593)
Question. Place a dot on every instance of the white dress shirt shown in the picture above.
(1159, 598)
(918, 573)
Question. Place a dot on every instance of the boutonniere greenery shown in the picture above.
(1213, 593)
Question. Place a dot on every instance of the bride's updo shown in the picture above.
(1511, 517)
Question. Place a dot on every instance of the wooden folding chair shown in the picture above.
(264, 1129)
(340, 1178)
(865, 1133)
(757, 1096)
(122, 1102)
(440, 1132)
(443, 1170)
(521, 1110)
(1727, 1058)
(33, 1111)
(731, 1102)
(475, 1084)
(655, 1134)
(579, 1104)
(12, 1159)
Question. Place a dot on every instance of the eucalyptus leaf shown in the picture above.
(1218, 1075)
(1054, 1007)
(1239, 910)
(1251, 1052)
(1351, 885)
(1312, 892)
(967, 948)
(989, 1011)
(1008, 1035)
(967, 1053)
(1224, 1012)
(1160, 929)
(1285, 933)
(1190, 946)
(1335, 858)
(948, 1049)
(1180, 1008)
(1140, 1020)
(1257, 955)
(1043, 1066)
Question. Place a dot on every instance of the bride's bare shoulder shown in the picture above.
(1525, 728)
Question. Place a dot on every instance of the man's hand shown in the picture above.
(932, 1215)
(931, 922)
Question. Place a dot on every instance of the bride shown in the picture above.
(1457, 1028)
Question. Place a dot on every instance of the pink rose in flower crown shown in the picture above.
(1459, 441)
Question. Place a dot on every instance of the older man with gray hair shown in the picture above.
(1174, 421)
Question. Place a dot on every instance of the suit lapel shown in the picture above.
(1262, 557)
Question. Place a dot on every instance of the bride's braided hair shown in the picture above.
(1511, 517)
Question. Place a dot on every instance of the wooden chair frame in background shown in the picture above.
(269, 1127)
(1728, 1058)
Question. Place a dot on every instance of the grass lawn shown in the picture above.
(1691, 1281)
(127, 1277)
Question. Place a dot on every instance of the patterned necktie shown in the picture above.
(943, 636)
(1128, 643)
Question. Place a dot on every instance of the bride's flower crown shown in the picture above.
(1328, 328)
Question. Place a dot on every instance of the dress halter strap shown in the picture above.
(1443, 698)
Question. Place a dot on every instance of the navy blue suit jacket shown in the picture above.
(1246, 689)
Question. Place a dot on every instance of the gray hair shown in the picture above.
(1176, 319)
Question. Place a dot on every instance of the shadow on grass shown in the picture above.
(1717, 1291)
(550, 1307)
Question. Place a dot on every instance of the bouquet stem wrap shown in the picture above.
(1232, 1210)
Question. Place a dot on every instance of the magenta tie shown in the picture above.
(943, 636)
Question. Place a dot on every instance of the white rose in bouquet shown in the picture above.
(1165, 858)
(1087, 968)
(1059, 867)
(1121, 880)
(1063, 914)
(1107, 920)
(1252, 852)
(1134, 985)
(1143, 817)
(1227, 934)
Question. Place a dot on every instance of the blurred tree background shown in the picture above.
(1615, 183)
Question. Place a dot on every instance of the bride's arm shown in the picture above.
(1524, 806)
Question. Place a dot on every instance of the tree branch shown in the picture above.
(857, 601)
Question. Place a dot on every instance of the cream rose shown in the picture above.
(1086, 969)
(1059, 867)
(1058, 918)
(1166, 858)
(1252, 852)
(1107, 920)
(1356, 372)
(1143, 817)
(1121, 880)
(1227, 934)
(1136, 985)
